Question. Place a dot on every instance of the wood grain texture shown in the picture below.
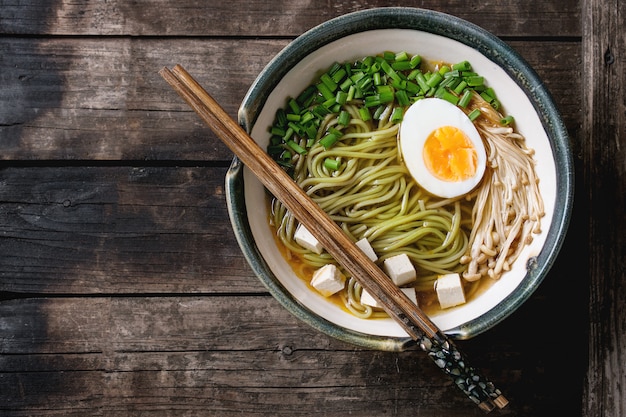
(604, 177)
(123, 291)
(240, 355)
(282, 18)
(88, 230)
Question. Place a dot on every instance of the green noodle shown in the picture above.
(354, 171)
(372, 195)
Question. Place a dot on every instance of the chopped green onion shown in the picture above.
(377, 78)
(378, 112)
(351, 92)
(415, 61)
(372, 101)
(311, 131)
(288, 134)
(341, 97)
(401, 65)
(465, 98)
(401, 56)
(344, 118)
(386, 96)
(399, 84)
(338, 75)
(331, 164)
(402, 97)
(274, 149)
(485, 95)
(462, 66)
(294, 127)
(330, 103)
(328, 82)
(293, 145)
(306, 117)
(286, 155)
(275, 130)
(397, 115)
(320, 111)
(386, 67)
(304, 99)
(281, 117)
(334, 68)
(389, 56)
(421, 80)
(384, 89)
(325, 91)
(447, 81)
(374, 68)
(335, 131)
(346, 84)
(507, 120)
(365, 83)
(413, 74)
(475, 81)
(434, 80)
(356, 77)
(412, 88)
(474, 114)
(364, 113)
(460, 87)
(329, 140)
(444, 94)
(453, 82)
(295, 108)
(389, 70)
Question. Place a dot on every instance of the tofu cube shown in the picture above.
(400, 269)
(305, 239)
(328, 280)
(367, 249)
(367, 299)
(450, 290)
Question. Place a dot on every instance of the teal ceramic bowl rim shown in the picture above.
(439, 24)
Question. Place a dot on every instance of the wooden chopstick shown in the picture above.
(412, 319)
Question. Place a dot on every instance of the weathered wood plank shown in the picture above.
(262, 18)
(102, 99)
(604, 177)
(230, 355)
(118, 229)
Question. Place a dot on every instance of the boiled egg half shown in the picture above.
(441, 148)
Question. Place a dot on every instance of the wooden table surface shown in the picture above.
(123, 291)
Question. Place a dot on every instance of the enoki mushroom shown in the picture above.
(509, 206)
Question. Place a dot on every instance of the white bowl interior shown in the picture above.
(430, 47)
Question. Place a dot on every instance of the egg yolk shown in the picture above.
(450, 155)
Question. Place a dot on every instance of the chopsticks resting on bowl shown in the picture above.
(413, 320)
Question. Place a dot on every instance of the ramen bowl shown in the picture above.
(436, 37)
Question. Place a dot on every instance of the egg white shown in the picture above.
(419, 121)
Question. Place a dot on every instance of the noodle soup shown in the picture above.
(339, 140)
(440, 39)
